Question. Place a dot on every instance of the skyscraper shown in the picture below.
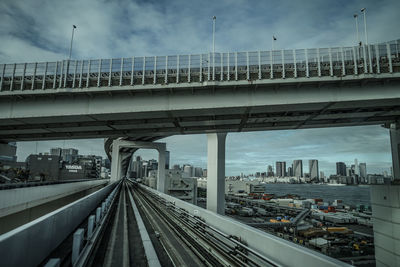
(313, 167)
(167, 160)
(341, 168)
(363, 170)
(280, 168)
(270, 171)
(356, 168)
(298, 168)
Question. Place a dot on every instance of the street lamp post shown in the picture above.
(70, 51)
(358, 35)
(72, 39)
(213, 46)
(364, 11)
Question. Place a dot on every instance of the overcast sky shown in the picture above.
(40, 30)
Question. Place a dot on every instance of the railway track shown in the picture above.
(143, 229)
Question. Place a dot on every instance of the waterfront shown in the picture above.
(351, 195)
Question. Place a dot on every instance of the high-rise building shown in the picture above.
(356, 169)
(298, 168)
(198, 172)
(280, 168)
(363, 170)
(313, 167)
(189, 170)
(270, 171)
(322, 175)
(177, 167)
(69, 154)
(55, 151)
(341, 168)
(290, 171)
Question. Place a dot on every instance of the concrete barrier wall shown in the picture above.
(18, 199)
(31, 243)
(275, 248)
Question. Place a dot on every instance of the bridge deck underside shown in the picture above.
(294, 110)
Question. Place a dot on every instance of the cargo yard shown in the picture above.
(332, 228)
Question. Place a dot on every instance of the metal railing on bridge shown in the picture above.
(235, 66)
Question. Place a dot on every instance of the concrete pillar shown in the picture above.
(161, 170)
(115, 161)
(216, 172)
(395, 144)
(385, 200)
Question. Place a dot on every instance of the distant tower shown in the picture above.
(356, 169)
(280, 168)
(363, 170)
(298, 168)
(167, 160)
(313, 167)
(341, 168)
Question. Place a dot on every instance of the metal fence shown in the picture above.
(258, 65)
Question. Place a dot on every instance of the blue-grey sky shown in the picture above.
(40, 30)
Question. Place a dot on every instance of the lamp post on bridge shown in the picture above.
(213, 47)
(358, 35)
(364, 11)
(70, 48)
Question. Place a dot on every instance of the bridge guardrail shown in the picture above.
(258, 65)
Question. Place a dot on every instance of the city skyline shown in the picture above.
(253, 152)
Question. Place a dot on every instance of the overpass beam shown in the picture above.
(216, 172)
(395, 144)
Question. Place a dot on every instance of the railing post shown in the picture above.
(23, 77)
(166, 69)
(378, 67)
(98, 215)
(12, 77)
(91, 222)
(144, 70)
(272, 65)
(66, 73)
(110, 73)
(132, 70)
(155, 70)
(99, 73)
(88, 74)
(370, 59)
(283, 64)
(76, 68)
(201, 68)
(355, 61)
(209, 63)
(121, 70)
(343, 65)
(330, 62)
(247, 66)
(213, 66)
(259, 65)
(80, 76)
(365, 60)
(294, 64)
(236, 67)
(389, 57)
(318, 63)
(190, 62)
(2, 77)
(229, 68)
(34, 77)
(307, 70)
(55, 76)
(61, 74)
(222, 66)
(44, 76)
(177, 69)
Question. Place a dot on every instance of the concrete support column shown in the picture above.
(115, 162)
(395, 144)
(216, 172)
(161, 170)
(385, 200)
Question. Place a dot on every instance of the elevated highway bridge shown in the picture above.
(135, 101)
